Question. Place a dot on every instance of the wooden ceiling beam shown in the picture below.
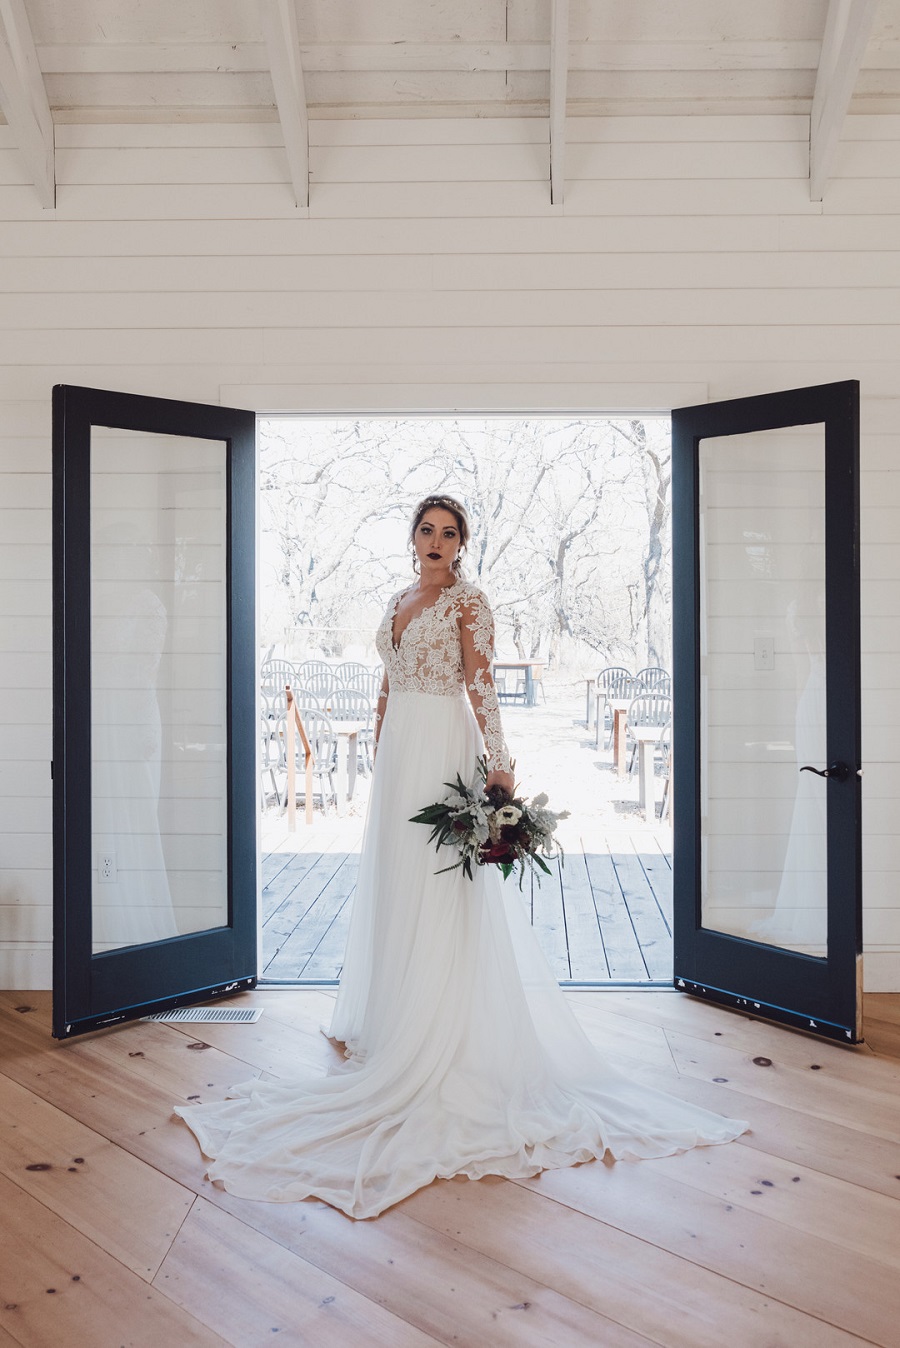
(23, 99)
(848, 26)
(279, 20)
(559, 74)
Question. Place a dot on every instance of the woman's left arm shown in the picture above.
(477, 639)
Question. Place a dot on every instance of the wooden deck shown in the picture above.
(604, 917)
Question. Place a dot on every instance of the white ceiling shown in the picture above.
(209, 60)
(158, 58)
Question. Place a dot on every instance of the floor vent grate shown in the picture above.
(235, 1015)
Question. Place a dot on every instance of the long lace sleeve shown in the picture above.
(381, 707)
(477, 637)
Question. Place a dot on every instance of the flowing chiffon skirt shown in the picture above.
(462, 1056)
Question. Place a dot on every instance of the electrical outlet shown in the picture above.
(106, 867)
(764, 653)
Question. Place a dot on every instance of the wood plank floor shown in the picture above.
(790, 1237)
(604, 916)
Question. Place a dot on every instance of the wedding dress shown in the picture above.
(462, 1055)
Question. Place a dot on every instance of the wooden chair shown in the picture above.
(653, 679)
(363, 680)
(351, 704)
(648, 709)
(316, 676)
(270, 758)
(274, 675)
(323, 743)
(613, 684)
(665, 742)
(273, 703)
(305, 697)
(510, 685)
(346, 674)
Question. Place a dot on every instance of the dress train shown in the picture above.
(463, 1056)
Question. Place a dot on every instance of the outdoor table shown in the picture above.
(589, 692)
(646, 737)
(347, 733)
(619, 708)
(528, 666)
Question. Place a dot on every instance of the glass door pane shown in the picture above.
(159, 805)
(763, 687)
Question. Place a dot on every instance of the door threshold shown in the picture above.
(568, 985)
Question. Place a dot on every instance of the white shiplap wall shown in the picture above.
(431, 273)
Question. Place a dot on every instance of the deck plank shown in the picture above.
(653, 936)
(657, 866)
(619, 938)
(307, 913)
(548, 919)
(587, 955)
(314, 873)
(327, 959)
(598, 918)
(285, 886)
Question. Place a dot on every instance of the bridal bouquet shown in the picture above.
(491, 828)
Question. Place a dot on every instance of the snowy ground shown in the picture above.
(556, 753)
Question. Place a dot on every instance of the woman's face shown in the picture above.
(437, 540)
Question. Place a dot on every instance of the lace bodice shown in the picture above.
(446, 648)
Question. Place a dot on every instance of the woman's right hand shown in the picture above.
(505, 780)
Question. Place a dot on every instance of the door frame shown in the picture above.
(90, 989)
(819, 994)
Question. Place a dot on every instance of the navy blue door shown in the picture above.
(766, 744)
(154, 705)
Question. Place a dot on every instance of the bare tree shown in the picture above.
(653, 461)
(320, 498)
(569, 524)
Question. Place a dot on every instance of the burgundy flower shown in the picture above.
(497, 851)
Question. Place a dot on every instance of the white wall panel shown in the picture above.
(431, 273)
(638, 312)
(254, 234)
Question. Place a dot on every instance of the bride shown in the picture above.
(461, 1054)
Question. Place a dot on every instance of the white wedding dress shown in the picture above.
(462, 1055)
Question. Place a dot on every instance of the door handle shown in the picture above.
(839, 771)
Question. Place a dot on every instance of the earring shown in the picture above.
(415, 560)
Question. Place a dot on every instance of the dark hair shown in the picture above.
(457, 510)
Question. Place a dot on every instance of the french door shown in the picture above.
(766, 660)
(154, 741)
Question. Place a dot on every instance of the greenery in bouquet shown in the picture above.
(492, 828)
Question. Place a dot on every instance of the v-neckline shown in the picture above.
(395, 645)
